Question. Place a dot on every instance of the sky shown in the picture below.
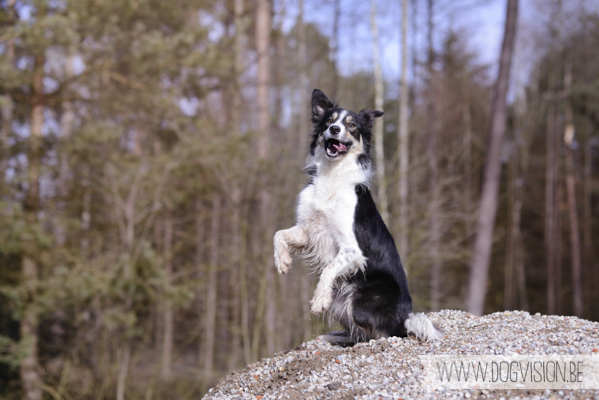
(482, 21)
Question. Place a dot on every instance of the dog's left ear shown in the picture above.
(368, 117)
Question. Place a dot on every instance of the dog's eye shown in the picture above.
(351, 125)
(330, 121)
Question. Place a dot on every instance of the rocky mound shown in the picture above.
(390, 368)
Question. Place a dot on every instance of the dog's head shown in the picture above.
(339, 132)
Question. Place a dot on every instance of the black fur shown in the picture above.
(381, 300)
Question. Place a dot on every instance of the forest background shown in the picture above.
(150, 149)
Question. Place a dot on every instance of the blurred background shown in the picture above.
(150, 149)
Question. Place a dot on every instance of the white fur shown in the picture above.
(420, 326)
(324, 232)
(292, 239)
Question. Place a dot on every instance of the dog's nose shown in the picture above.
(334, 130)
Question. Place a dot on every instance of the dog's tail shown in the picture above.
(420, 326)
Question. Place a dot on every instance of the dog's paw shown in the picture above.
(283, 261)
(321, 301)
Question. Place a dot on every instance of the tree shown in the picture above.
(379, 95)
(479, 268)
(575, 245)
(403, 135)
(434, 128)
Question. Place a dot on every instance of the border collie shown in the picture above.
(341, 234)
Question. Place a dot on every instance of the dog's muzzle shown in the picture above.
(335, 147)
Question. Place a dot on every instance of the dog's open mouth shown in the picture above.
(335, 148)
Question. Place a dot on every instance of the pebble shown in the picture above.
(389, 368)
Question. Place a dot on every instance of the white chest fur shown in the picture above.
(326, 210)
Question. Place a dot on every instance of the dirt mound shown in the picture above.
(390, 368)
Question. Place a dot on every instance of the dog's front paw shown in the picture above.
(321, 301)
(283, 261)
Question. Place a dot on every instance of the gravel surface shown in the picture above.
(390, 368)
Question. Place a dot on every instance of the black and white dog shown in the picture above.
(340, 232)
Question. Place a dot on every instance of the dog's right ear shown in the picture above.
(320, 103)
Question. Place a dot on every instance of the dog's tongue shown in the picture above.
(339, 146)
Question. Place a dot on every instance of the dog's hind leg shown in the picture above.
(377, 308)
(338, 339)
(292, 239)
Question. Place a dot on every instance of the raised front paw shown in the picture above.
(321, 301)
(283, 261)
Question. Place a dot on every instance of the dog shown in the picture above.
(341, 234)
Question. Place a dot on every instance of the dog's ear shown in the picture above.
(368, 117)
(320, 103)
(376, 113)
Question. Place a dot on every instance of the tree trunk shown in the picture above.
(509, 287)
(169, 325)
(30, 377)
(553, 240)
(123, 372)
(414, 45)
(522, 142)
(7, 108)
(86, 208)
(479, 271)
(239, 64)
(303, 82)
(66, 122)
(243, 282)
(239, 338)
(263, 28)
(592, 277)
(469, 206)
(211, 291)
(239, 226)
(434, 192)
(304, 129)
(30, 369)
(550, 209)
(519, 259)
(558, 240)
(575, 246)
(403, 137)
(334, 47)
(263, 22)
(379, 126)
(515, 279)
(201, 273)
